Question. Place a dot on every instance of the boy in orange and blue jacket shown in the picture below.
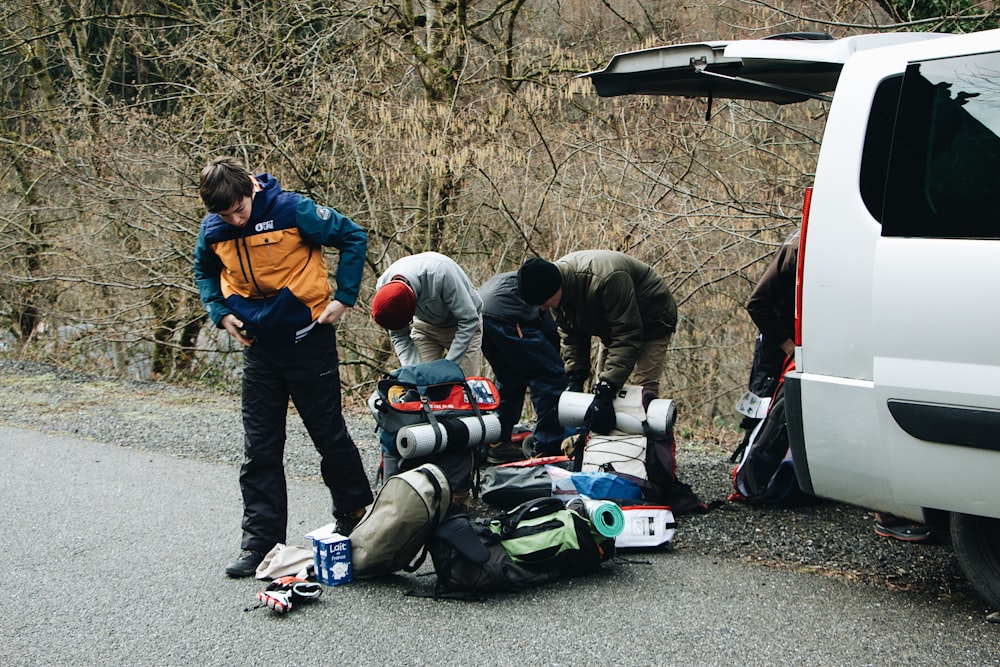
(260, 271)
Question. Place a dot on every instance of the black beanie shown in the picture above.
(538, 280)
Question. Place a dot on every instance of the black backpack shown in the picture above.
(532, 544)
(469, 559)
(766, 473)
(508, 485)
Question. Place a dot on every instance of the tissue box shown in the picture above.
(332, 555)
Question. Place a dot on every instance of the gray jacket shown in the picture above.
(445, 298)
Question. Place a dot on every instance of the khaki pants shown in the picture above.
(648, 367)
(432, 342)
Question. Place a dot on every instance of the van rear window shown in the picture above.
(942, 163)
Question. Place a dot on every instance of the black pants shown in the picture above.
(523, 358)
(308, 372)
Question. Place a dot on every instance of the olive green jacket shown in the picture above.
(617, 298)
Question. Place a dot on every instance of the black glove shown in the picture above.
(574, 381)
(600, 416)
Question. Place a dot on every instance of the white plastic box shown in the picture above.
(332, 555)
(646, 526)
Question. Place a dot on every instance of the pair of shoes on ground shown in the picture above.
(888, 525)
(504, 452)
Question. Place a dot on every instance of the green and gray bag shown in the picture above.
(535, 543)
(544, 534)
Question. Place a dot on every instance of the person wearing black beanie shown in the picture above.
(521, 342)
(538, 280)
(615, 297)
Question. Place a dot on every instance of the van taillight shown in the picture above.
(800, 262)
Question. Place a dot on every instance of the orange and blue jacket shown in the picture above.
(271, 273)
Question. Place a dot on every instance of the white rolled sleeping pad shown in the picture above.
(660, 414)
(420, 440)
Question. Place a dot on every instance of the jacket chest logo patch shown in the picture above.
(265, 226)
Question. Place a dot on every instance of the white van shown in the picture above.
(895, 401)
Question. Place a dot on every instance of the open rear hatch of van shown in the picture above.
(782, 69)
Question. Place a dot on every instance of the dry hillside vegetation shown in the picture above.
(459, 127)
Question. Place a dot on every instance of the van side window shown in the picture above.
(944, 157)
(878, 141)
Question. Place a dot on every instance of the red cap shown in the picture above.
(394, 305)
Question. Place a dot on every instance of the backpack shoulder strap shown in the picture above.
(435, 518)
(528, 510)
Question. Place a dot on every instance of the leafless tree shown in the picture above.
(456, 126)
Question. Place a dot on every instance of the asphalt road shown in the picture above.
(114, 556)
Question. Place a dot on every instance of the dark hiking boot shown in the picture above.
(245, 564)
(347, 521)
(504, 452)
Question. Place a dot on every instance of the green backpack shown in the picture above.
(535, 543)
(544, 534)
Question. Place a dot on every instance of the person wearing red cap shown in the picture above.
(431, 310)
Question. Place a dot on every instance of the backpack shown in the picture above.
(623, 453)
(544, 534)
(765, 371)
(393, 533)
(532, 544)
(766, 473)
(469, 558)
(432, 412)
(657, 476)
(661, 473)
(510, 484)
(422, 394)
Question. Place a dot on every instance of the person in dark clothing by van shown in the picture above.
(772, 308)
(259, 268)
(772, 303)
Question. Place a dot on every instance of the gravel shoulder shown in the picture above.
(824, 538)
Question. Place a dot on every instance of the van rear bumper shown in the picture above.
(796, 434)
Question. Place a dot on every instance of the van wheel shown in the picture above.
(976, 541)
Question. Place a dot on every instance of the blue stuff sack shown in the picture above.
(605, 486)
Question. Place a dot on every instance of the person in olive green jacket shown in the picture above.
(616, 298)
